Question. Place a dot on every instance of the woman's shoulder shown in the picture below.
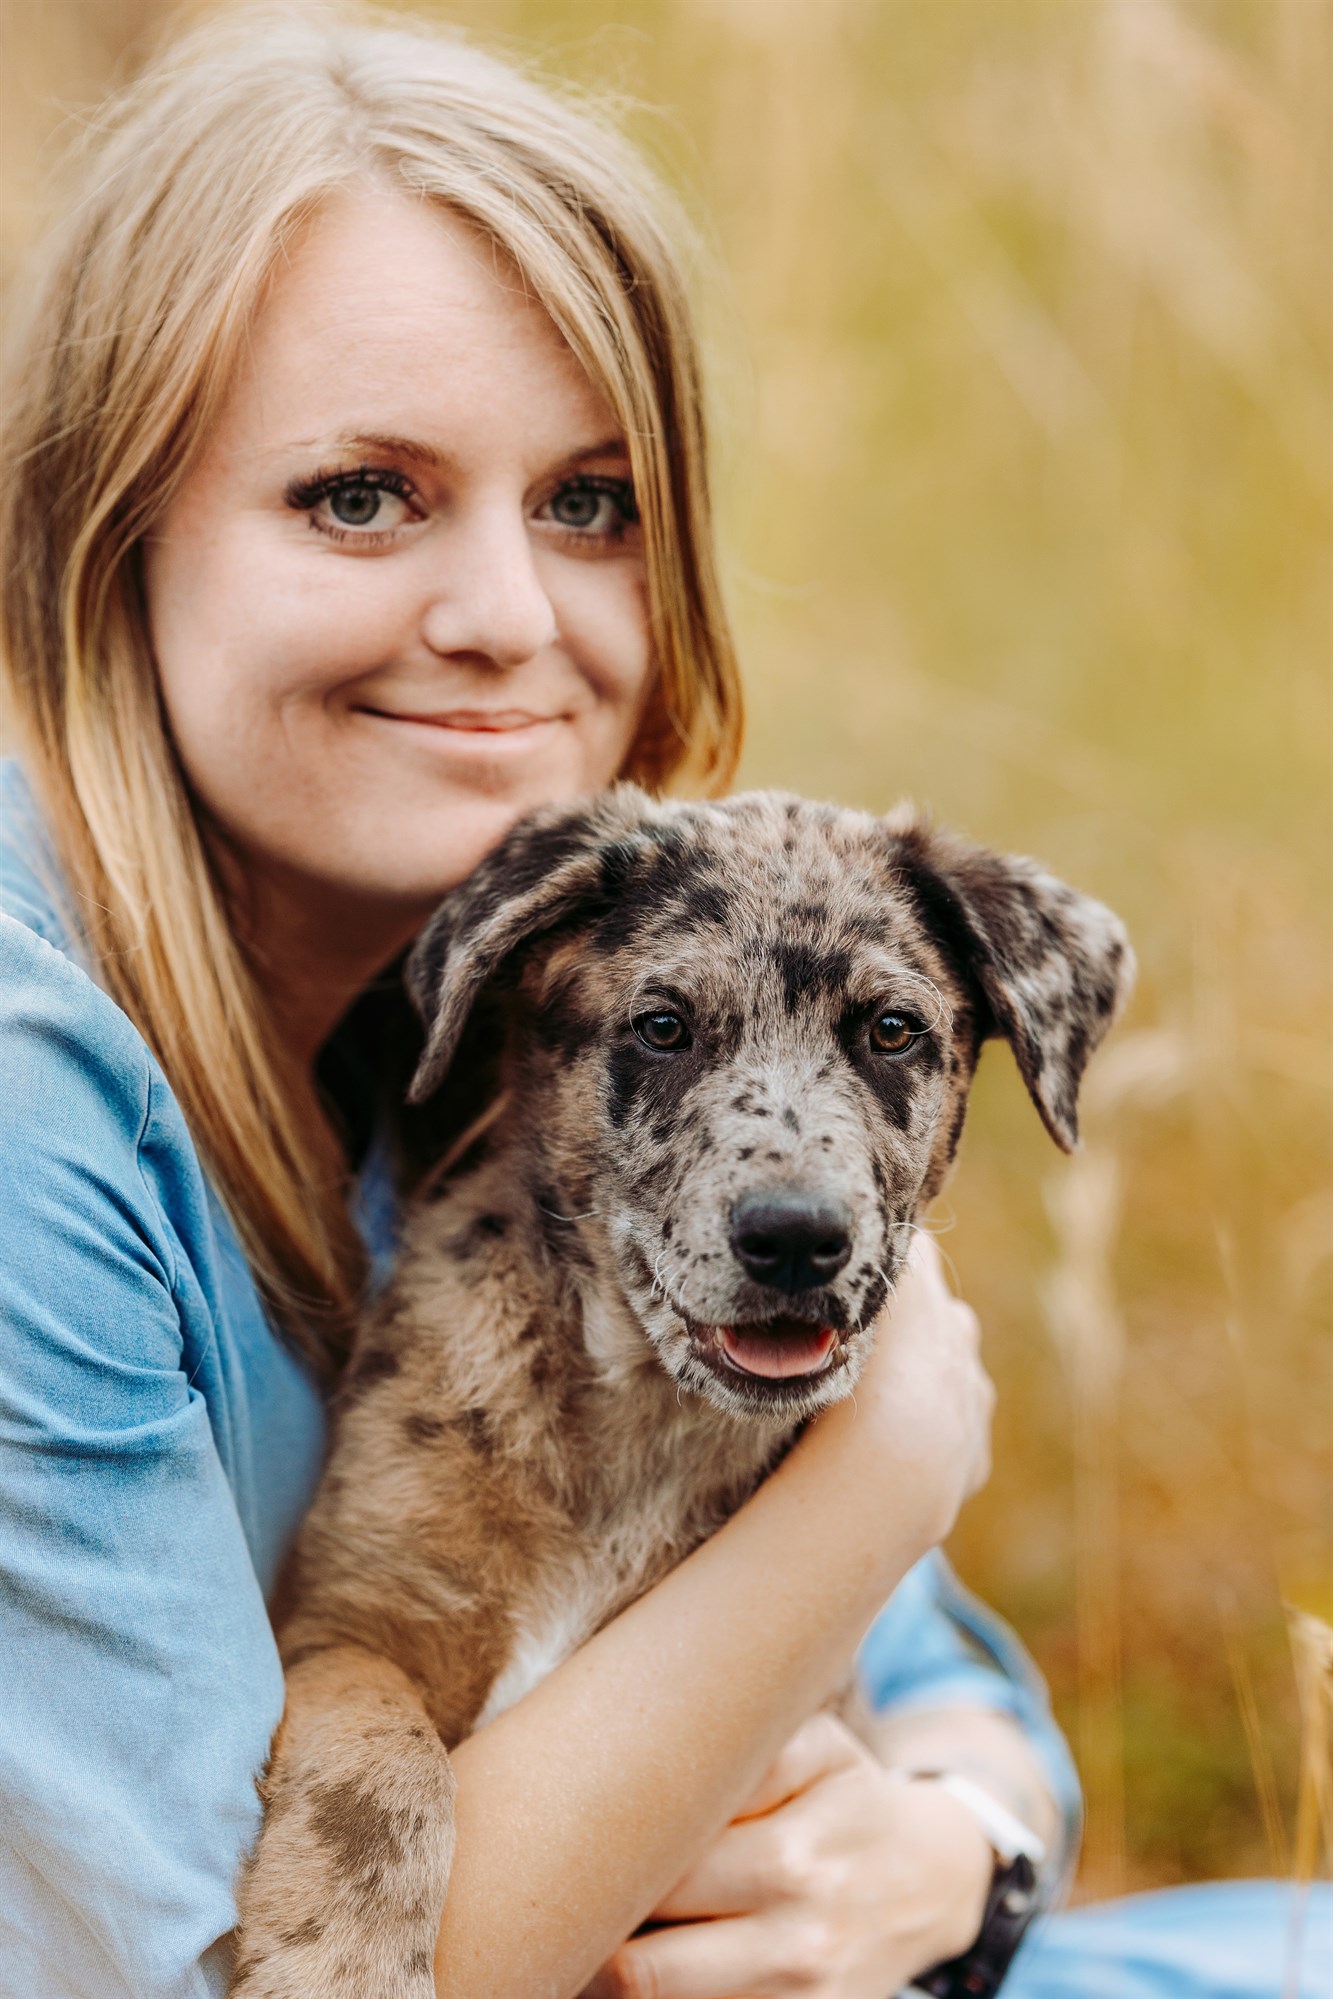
(48, 1001)
(79, 1086)
(82, 1099)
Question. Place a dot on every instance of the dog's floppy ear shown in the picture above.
(1054, 967)
(560, 861)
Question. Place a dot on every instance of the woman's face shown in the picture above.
(399, 600)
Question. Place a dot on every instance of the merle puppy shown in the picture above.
(733, 1045)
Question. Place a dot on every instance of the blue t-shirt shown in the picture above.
(159, 1444)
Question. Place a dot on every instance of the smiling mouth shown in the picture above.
(470, 721)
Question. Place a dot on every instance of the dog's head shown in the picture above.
(741, 1038)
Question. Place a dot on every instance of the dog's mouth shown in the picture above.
(766, 1350)
(774, 1361)
(783, 1349)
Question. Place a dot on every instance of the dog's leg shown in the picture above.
(343, 1896)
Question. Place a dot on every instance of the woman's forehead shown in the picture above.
(391, 319)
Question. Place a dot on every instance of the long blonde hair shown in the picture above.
(196, 177)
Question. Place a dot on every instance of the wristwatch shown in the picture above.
(1011, 1903)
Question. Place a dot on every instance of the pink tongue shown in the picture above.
(777, 1355)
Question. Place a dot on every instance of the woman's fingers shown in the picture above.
(752, 1868)
(925, 1389)
(764, 1856)
(748, 1958)
(732, 1879)
(820, 1745)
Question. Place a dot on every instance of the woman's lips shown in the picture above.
(490, 720)
(490, 729)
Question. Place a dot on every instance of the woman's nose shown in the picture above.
(489, 600)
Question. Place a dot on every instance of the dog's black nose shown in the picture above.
(791, 1240)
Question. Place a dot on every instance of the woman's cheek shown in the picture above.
(603, 624)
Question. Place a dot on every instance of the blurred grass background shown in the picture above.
(1019, 315)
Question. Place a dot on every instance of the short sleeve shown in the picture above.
(141, 1682)
(936, 1645)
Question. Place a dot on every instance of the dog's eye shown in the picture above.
(892, 1033)
(662, 1030)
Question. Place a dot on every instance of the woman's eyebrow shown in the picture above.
(353, 444)
(610, 447)
(390, 445)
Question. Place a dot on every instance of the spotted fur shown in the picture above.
(540, 1418)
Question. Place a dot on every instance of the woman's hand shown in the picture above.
(924, 1398)
(839, 1879)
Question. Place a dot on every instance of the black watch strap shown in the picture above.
(980, 1971)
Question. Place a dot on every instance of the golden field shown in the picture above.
(1019, 314)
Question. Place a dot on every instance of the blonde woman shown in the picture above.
(357, 503)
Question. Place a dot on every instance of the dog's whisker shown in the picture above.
(943, 1011)
(914, 1228)
(671, 1290)
(923, 1228)
(944, 1256)
(918, 982)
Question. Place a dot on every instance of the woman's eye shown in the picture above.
(892, 1033)
(593, 507)
(361, 505)
(664, 1031)
(354, 506)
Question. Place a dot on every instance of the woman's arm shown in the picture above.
(141, 1681)
(841, 1870)
(841, 1866)
(580, 1807)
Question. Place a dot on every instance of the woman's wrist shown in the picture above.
(991, 1750)
(957, 1865)
(850, 1463)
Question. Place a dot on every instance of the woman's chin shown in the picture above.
(435, 847)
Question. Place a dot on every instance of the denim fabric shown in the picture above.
(935, 1645)
(158, 1446)
(1219, 1940)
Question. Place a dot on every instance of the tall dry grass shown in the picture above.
(1312, 1649)
(1020, 314)
(1088, 1332)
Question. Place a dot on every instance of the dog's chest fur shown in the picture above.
(515, 1481)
